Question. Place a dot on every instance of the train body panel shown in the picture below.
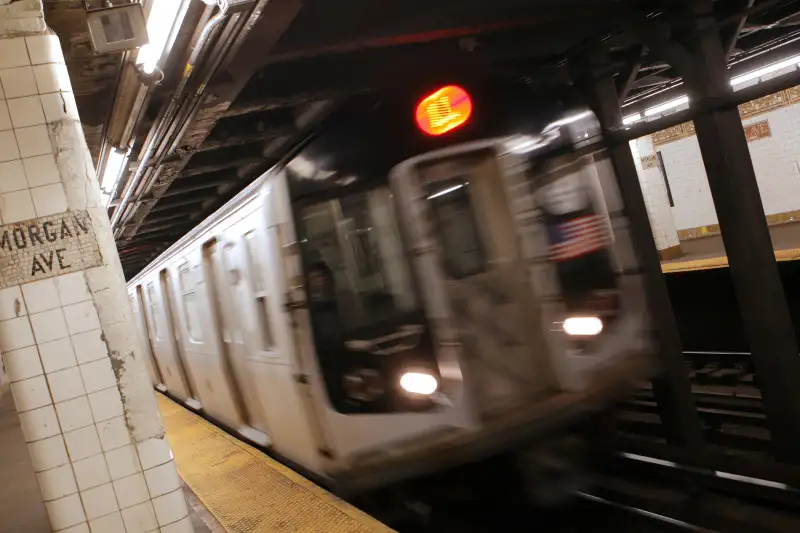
(384, 301)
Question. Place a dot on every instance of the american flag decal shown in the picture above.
(578, 237)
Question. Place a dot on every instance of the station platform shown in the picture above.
(244, 490)
(707, 253)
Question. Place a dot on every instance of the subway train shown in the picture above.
(426, 282)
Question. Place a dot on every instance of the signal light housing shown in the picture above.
(444, 110)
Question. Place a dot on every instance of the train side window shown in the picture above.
(155, 311)
(260, 292)
(190, 304)
(463, 252)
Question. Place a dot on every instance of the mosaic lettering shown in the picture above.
(49, 246)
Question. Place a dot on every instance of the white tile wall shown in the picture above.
(776, 161)
(55, 334)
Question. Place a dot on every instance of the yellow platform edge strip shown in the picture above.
(248, 491)
(792, 254)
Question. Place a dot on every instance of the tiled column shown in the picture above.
(655, 196)
(67, 336)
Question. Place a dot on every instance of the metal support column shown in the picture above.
(746, 236)
(672, 388)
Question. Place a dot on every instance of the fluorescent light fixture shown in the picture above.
(630, 119)
(666, 106)
(112, 171)
(446, 191)
(162, 17)
(765, 70)
(568, 120)
(419, 383)
(583, 326)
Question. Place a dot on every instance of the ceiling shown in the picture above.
(293, 61)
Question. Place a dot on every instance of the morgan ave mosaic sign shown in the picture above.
(49, 246)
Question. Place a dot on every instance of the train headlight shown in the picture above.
(583, 326)
(419, 383)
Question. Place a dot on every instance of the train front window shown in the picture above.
(357, 273)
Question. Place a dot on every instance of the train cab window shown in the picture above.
(260, 292)
(190, 304)
(156, 317)
(357, 273)
(462, 250)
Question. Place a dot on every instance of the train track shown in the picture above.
(729, 404)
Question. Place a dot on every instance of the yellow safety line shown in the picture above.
(246, 490)
(791, 254)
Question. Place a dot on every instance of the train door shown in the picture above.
(153, 371)
(486, 280)
(163, 342)
(236, 317)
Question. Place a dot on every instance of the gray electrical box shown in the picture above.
(117, 29)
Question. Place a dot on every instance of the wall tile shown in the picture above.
(89, 346)
(123, 462)
(12, 176)
(111, 523)
(41, 295)
(140, 518)
(91, 472)
(52, 77)
(9, 149)
(98, 375)
(5, 117)
(57, 483)
(184, 526)
(65, 512)
(80, 528)
(154, 452)
(74, 414)
(66, 384)
(106, 404)
(40, 423)
(44, 49)
(113, 434)
(59, 106)
(49, 325)
(81, 317)
(23, 363)
(170, 507)
(99, 501)
(83, 443)
(26, 111)
(57, 355)
(12, 304)
(132, 490)
(162, 479)
(41, 170)
(13, 53)
(48, 453)
(72, 288)
(30, 394)
(33, 141)
(15, 333)
(49, 199)
(16, 206)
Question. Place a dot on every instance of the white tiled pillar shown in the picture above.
(67, 336)
(655, 195)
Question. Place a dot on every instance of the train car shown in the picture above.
(425, 283)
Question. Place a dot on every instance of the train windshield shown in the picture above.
(357, 273)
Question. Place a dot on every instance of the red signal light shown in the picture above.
(444, 110)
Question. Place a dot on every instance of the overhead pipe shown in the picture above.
(154, 140)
